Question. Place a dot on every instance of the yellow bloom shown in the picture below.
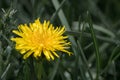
(39, 39)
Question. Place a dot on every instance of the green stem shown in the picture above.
(96, 48)
(32, 69)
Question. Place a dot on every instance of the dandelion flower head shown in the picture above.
(39, 39)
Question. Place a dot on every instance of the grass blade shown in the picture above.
(64, 22)
(85, 60)
(95, 46)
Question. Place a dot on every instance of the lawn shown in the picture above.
(59, 40)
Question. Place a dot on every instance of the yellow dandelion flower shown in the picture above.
(39, 39)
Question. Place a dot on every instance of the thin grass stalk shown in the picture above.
(85, 60)
(95, 46)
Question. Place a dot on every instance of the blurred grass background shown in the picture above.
(92, 27)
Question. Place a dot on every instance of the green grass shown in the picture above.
(93, 30)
